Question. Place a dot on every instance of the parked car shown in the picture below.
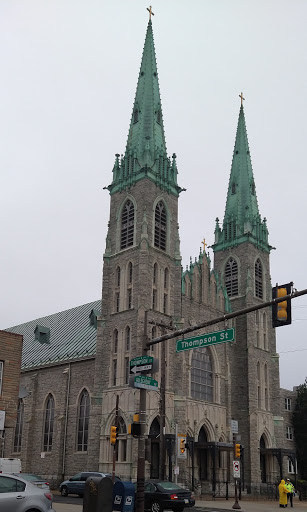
(35, 480)
(160, 495)
(18, 495)
(76, 484)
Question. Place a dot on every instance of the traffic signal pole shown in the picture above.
(236, 503)
(141, 441)
(115, 448)
(225, 317)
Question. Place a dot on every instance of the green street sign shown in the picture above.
(204, 340)
(141, 364)
(141, 381)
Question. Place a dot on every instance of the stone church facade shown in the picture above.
(75, 363)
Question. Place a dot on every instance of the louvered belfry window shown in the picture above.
(231, 277)
(127, 230)
(160, 226)
(258, 279)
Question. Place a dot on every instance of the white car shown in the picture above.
(18, 495)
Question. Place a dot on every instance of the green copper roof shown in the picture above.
(242, 221)
(146, 154)
(72, 335)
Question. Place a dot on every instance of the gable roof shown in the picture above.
(71, 337)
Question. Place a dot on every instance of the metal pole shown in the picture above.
(116, 444)
(162, 413)
(236, 503)
(227, 316)
(176, 448)
(141, 443)
(67, 370)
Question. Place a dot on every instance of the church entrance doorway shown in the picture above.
(263, 461)
(202, 455)
(154, 435)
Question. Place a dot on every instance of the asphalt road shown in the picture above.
(70, 500)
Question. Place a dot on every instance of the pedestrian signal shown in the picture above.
(113, 434)
(238, 451)
(281, 312)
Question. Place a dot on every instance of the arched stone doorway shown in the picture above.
(263, 467)
(154, 434)
(202, 455)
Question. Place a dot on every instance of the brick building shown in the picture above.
(10, 363)
(76, 362)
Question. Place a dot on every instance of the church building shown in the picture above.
(77, 362)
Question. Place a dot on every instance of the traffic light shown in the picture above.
(113, 435)
(182, 445)
(238, 451)
(281, 312)
(135, 427)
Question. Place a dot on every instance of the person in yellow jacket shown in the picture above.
(283, 491)
(290, 488)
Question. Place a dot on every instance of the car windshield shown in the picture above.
(170, 486)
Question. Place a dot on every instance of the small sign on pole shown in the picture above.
(236, 469)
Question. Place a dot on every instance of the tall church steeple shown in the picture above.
(242, 221)
(146, 153)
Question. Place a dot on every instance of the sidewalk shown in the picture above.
(248, 505)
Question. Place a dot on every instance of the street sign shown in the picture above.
(144, 382)
(234, 426)
(236, 469)
(204, 340)
(142, 364)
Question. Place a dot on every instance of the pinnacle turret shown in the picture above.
(242, 221)
(146, 153)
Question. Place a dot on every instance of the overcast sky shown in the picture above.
(69, 70)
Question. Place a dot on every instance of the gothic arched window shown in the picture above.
(231, 277)
(128, 338)
(19, 427)
(258, 279)
(160, 226)
(115, 341)
(48, 424)
(127, 227)
(202, 375)
(118, 277)
(83, 421)
(130, 272)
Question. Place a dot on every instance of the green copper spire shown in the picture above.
(146, 154)
(242, 221)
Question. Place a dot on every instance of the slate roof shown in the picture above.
(71, 337)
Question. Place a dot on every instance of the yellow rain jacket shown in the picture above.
(282, 493)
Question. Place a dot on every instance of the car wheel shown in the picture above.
(179, 509)
(156, 507)
(64, 490)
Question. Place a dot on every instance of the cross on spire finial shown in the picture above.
(149, 9)
(242, 99)
(204, 244)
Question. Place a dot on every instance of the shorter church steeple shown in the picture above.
(242, 221)
(146, 153)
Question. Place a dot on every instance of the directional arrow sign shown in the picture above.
(141, 381)
(141, 364)
(204, 340)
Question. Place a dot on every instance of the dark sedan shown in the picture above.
(161, 496)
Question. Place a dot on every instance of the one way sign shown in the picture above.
(142, 364)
